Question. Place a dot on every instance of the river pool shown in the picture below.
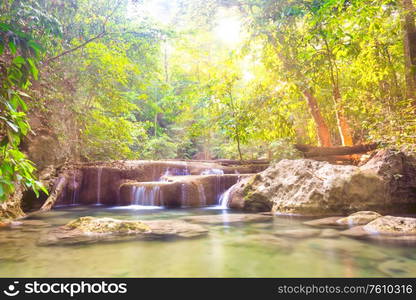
(229, 250)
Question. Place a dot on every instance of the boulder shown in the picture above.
(392, 225)
(396, 230)
(359, 218)
(86, 230)
(227, 219)
(386, 183)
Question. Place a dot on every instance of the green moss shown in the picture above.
(107, 225)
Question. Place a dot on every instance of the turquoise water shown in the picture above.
(228, 251)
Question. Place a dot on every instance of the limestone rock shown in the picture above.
(359, 218)
(87, 230)
(392, 225)
(227, 219)
(388, 229)
(386, 183)
(330, 221)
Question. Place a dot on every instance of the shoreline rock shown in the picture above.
(396, 230)
(87, 230)
(386, 183)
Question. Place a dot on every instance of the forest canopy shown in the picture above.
(191, 79)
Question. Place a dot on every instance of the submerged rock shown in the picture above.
(342, 248)
(359, 218)
(398, 268)
(269, 240)
(329, 234)
(298, 233)
(330, 221)
(386, 183)
(92, 230)
(228, 219)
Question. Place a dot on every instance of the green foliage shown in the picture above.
(21, 53)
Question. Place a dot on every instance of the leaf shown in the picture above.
(33, 69)
(18, 60)
(12, 47)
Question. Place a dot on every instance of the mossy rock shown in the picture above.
(107, 225)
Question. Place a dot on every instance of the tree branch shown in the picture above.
(100, 35)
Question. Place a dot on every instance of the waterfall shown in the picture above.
(146, 196)
(225, 198)
(74, 190)
(99, 172)
(212, 172)
(202, 197)
(184, 198)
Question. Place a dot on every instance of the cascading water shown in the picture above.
(74, 191)
(184, 196)
(225, 198)
(202, 197)
(212, 172)
(146, 195)
(99, 173)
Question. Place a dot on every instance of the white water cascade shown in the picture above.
(202, 197)
(146, 195)
(99, 173)
(184, 196)
(74, 190)
(212, 172)
(225, 198)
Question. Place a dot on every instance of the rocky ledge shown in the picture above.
(372, 226)
(86, 230)
(386, 183)
(397, 230)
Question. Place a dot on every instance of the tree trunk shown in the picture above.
(321, 127)
(238, 147)
(343, 126)
(311, 151)
(409, 43)
(57, 192)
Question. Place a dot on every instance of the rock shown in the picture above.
(30, 223)
(388, 229)
(330, 221)
(398, 267)
(163, 229)
(298, 233)
(359, 218)
(355, 232)
(227, 219)
(269, 240)
(92, 230)
(342, 247)
(13, 257)
(392, 225)
(329, 234)
(386, 183)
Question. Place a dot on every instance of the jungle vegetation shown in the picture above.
(242, 79)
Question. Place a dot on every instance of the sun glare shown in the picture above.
(228, 30)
